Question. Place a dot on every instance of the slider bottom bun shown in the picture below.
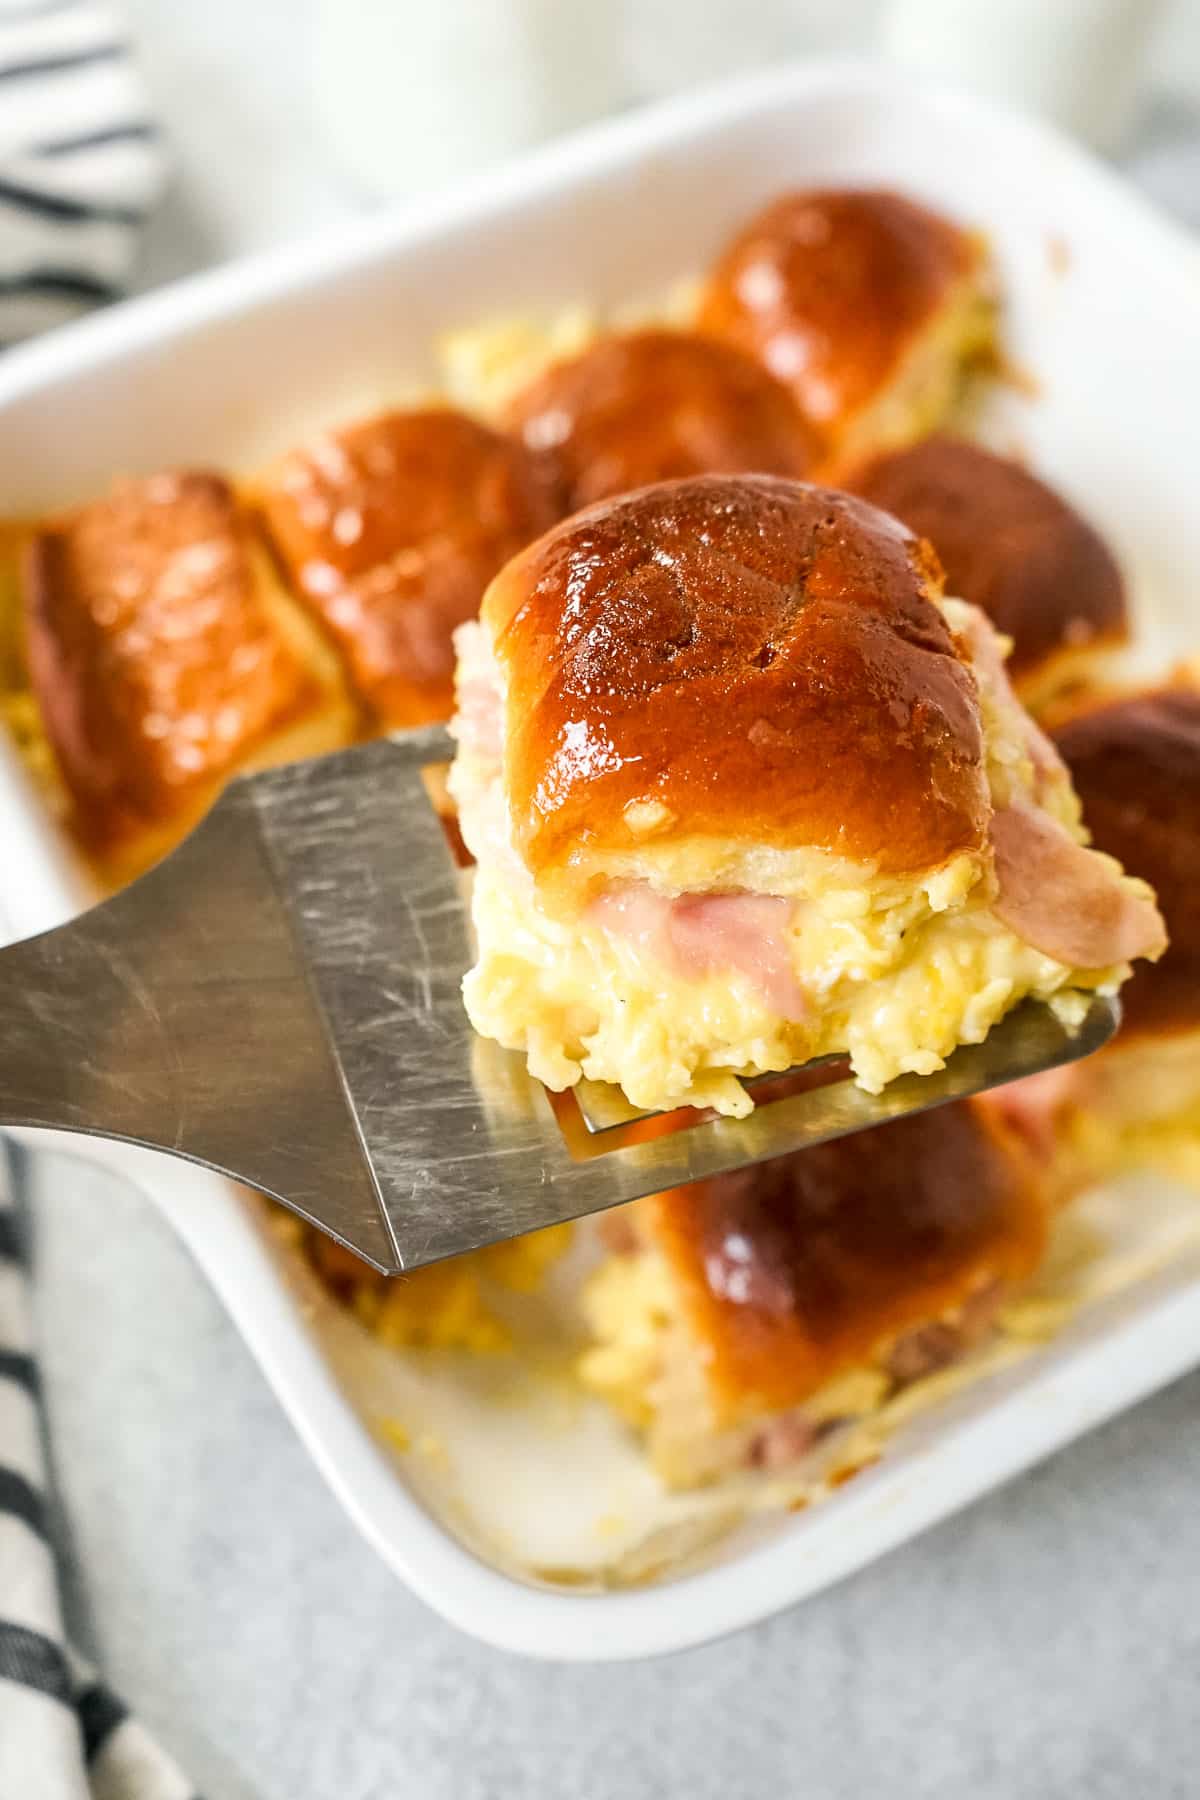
(741, 1323)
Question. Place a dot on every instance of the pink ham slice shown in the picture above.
(710, 934)
(1064, 899)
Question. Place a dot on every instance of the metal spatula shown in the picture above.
(279, 999)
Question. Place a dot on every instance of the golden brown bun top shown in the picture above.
(760, 656)
(391, 530)
(1136, 766)
(1007, 542)
(655, 406)
(153, 660)
(795, 1270)
(830, 289)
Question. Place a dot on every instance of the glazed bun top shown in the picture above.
(1136, 767)
(390, 530)
(1007, 542)
(739, 658)
(795, 1269)
(831, 289)
(655, 406)
(155, 663)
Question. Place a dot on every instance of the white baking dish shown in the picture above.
(1103, 303)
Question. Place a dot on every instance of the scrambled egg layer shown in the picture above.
(897, 974)
(931, 382)
(900, 988)
(447, 1306)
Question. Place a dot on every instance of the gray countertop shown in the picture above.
(1045, 1643)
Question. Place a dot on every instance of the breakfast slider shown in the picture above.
(745, 790)
(161, 654)
(1014, 547)
(736, 1323)
(872, 309)
(656, 405)
(389, 530)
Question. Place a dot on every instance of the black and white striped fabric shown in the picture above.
(63, 1734)
(81, 163)
(80, 166)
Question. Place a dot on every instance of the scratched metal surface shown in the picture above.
(279, 999)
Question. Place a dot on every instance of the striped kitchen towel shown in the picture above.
(81, 162)
(80, 167)
(63, 1734)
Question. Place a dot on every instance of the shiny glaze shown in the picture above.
(759, 656)
(830, 289)
(390, 531)
(796, 1270)
(1009, 543)
(657, 405)
(151, 656)
(1136, 767)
